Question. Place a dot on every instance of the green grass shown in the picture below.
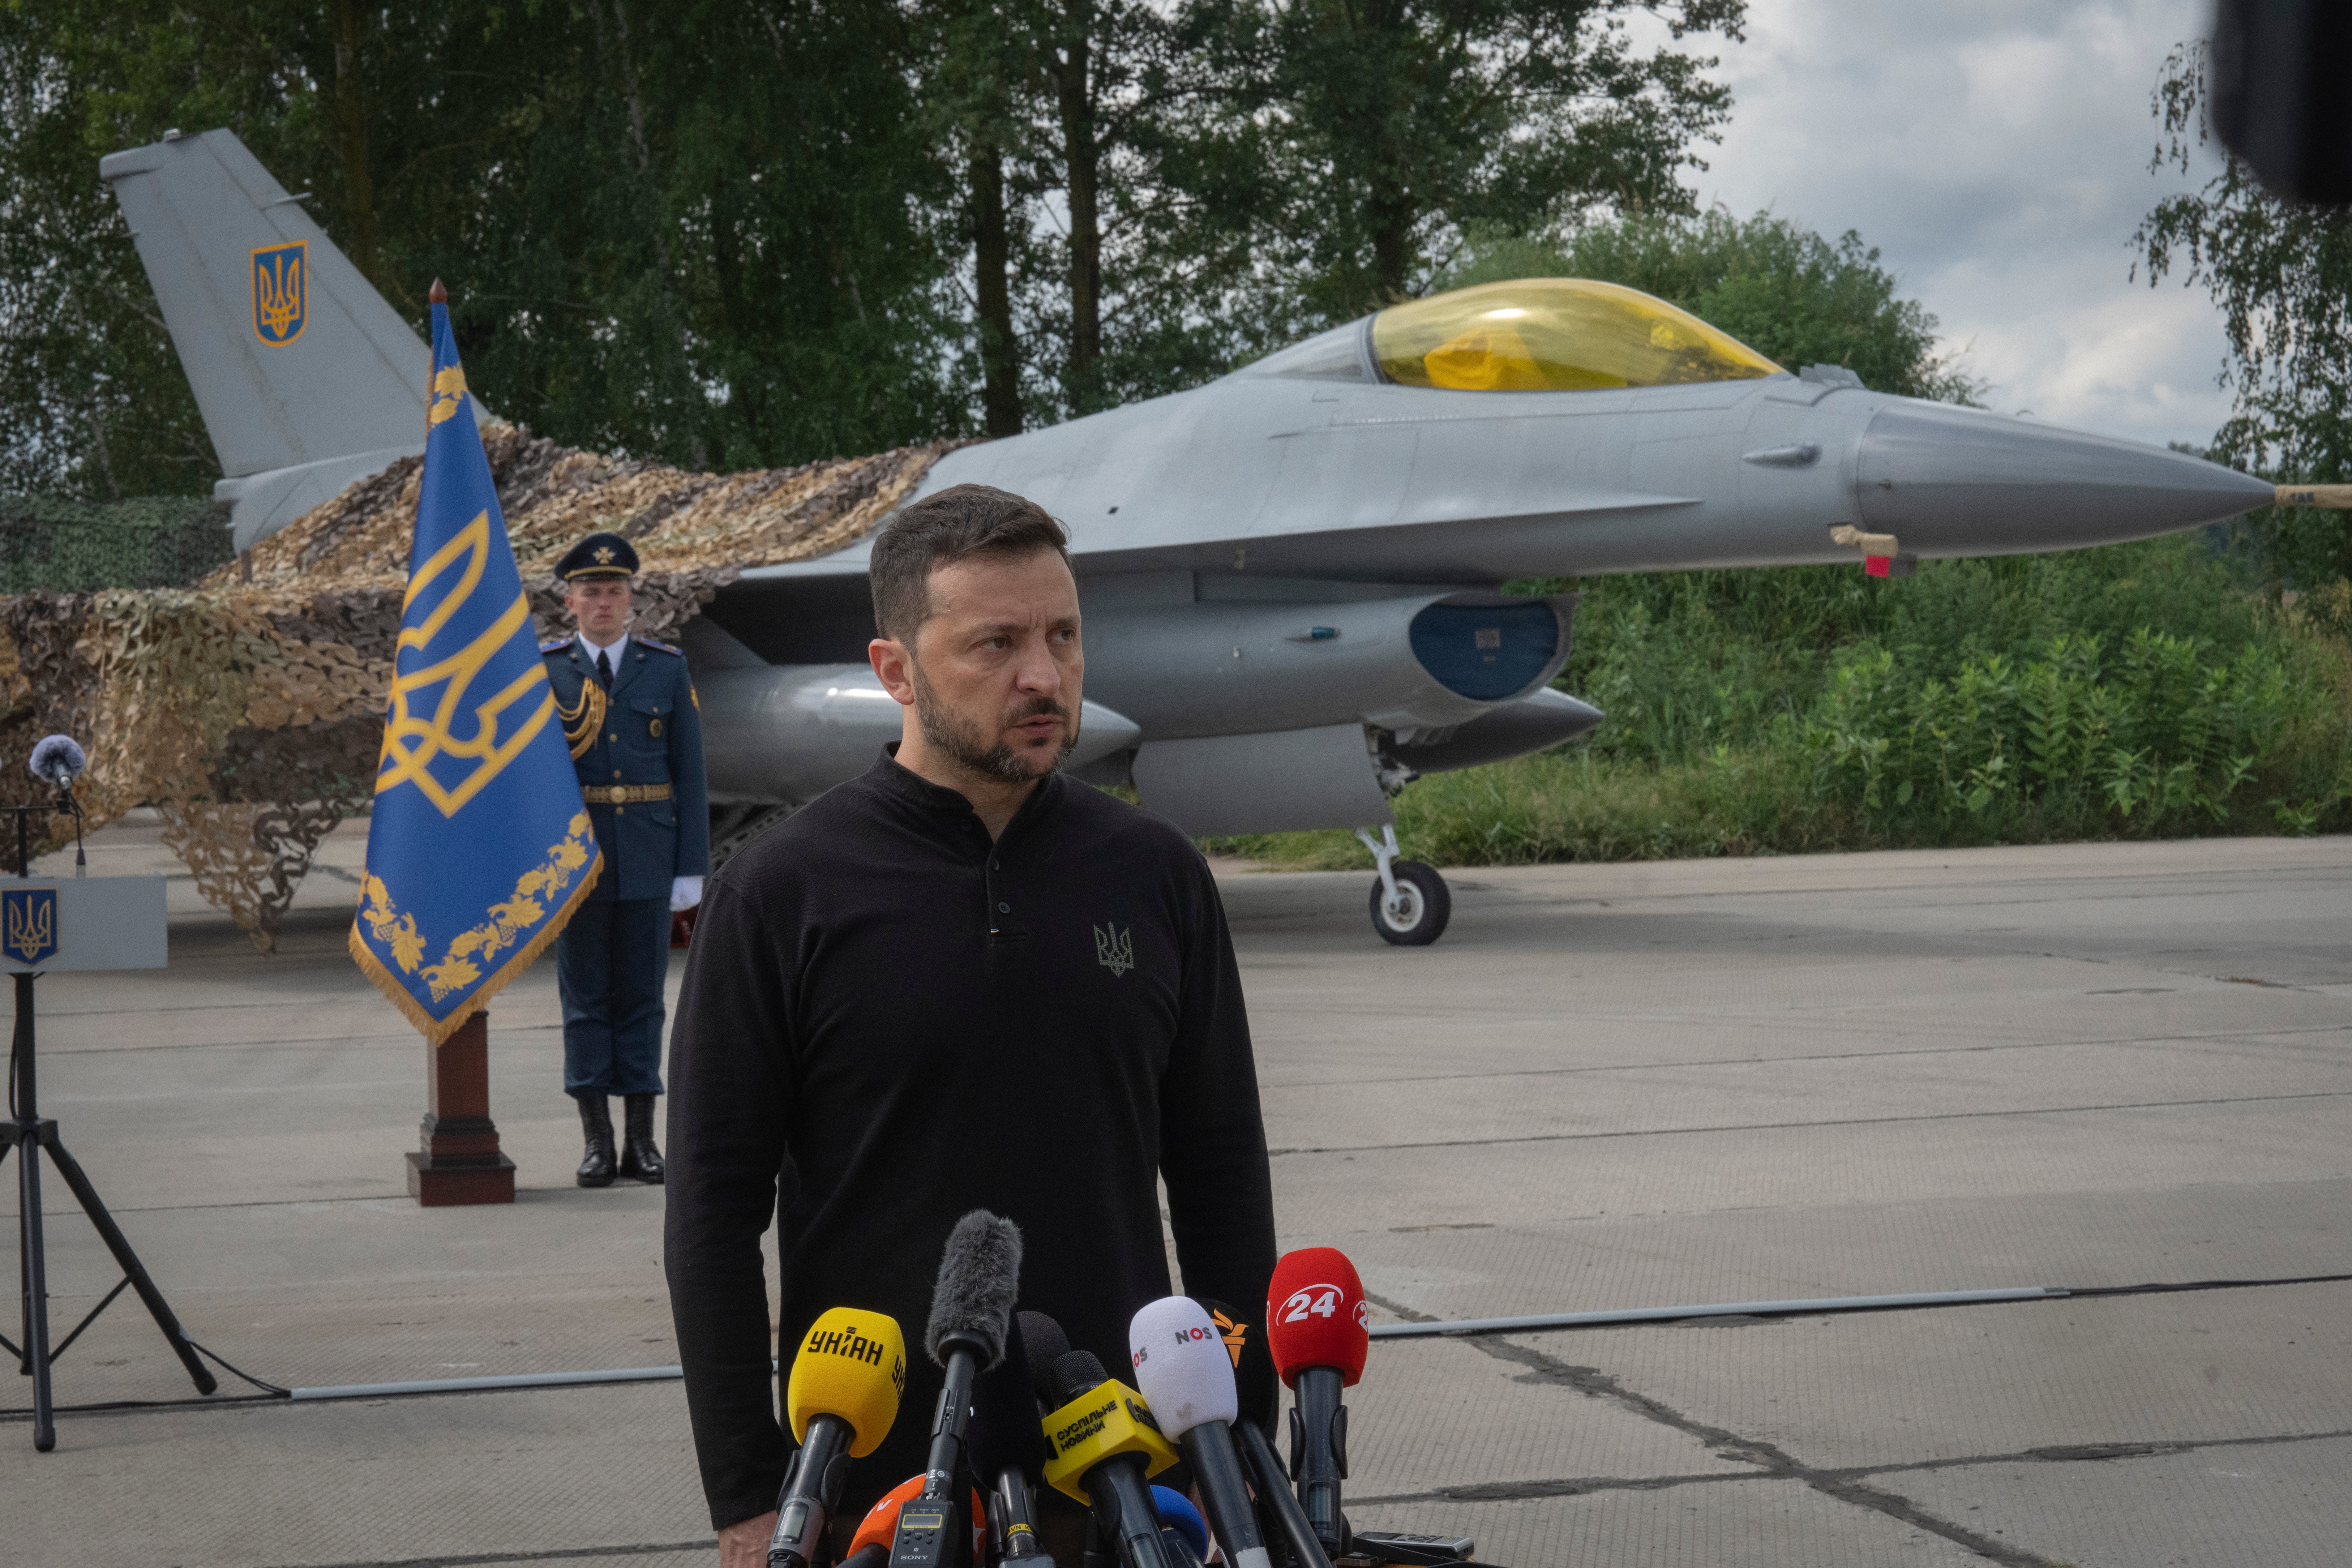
(2140, 691)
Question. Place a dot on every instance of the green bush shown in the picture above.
(2142, 690)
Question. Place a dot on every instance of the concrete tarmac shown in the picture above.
(2090, 1066)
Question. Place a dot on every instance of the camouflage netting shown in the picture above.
(249, 714)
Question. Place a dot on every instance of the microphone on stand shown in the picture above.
(1280, 1515)
(1005, 1448)
(1318, 1328)
(1186, 1375)
(971, 1307)
(1106, 1447)
(57, 761)
(841, 1400)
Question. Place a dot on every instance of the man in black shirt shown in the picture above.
(961, 980)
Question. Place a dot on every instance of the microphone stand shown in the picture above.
(28, 1133)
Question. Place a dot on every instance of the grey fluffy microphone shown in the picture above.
(971, 1304)
(58, 761)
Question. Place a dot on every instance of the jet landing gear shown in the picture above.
(1410, 903)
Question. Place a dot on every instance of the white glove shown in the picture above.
(685, 892)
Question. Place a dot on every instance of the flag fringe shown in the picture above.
(437, 1030)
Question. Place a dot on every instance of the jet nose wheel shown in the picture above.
(1417, 915)
(1410, 901)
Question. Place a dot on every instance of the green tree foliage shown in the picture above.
(1791, 294)
(92, 397)
(1391, 125)
(711, 232)
(2282, 274)
(734, 232)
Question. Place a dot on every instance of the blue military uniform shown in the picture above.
(640, 765)
(638, 749)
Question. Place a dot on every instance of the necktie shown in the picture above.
(604, 669)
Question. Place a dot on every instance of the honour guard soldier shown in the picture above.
(634, 724)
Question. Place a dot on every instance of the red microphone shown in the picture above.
(1318, 1329)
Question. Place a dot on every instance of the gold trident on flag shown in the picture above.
(412, 739)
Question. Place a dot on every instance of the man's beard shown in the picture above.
(971, 752)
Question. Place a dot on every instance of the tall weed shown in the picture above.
(2142, 690)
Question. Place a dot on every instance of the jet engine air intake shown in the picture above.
(1486, 652)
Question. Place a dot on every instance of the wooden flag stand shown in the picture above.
(459, 1162)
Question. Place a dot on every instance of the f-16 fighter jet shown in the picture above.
(1291, 577)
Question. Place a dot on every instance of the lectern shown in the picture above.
(46, 925)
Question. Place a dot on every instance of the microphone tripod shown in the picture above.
(28, 1133)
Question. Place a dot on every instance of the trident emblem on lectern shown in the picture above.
(29, 923)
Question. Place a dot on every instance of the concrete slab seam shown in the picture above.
(1801, 1126)
(1769, 1458)
(2206, 1036)
(2069, 1453)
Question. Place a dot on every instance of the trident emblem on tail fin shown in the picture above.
(281, 292)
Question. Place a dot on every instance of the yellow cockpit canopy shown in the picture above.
(1554, 334)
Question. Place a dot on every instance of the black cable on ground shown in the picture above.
(271, 1389)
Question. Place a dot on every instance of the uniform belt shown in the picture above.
(621, 795)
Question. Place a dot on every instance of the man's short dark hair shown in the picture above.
(957, 524)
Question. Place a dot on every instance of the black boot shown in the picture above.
(596, 1122)
(640, 1161)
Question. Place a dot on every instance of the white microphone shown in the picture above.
(1186, 1375)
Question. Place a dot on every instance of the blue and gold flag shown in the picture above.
(480, 847)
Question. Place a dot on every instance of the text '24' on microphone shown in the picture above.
(1104, 1449)
(971, 1310)
(1318, 1328)
(841, 1399)
(1280, 1519)
(1186, 1376)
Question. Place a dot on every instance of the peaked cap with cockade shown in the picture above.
(598, 556)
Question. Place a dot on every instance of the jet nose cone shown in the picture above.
(1961, 482)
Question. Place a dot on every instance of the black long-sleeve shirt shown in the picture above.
(887, 1021)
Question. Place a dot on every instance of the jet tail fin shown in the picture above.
(306, 379)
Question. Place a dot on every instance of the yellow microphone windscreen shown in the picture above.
(852, 1364)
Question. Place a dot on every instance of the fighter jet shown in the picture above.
(1291, 577)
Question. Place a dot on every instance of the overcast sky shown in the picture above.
(1997, 152)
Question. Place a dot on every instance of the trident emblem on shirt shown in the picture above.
(1115, 949)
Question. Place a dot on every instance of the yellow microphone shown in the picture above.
(1106, 1445)
(841, 1399)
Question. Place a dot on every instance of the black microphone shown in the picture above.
(1106, 1450)
(1042, 1345)
(1006, 1447)
(1269, 1479)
